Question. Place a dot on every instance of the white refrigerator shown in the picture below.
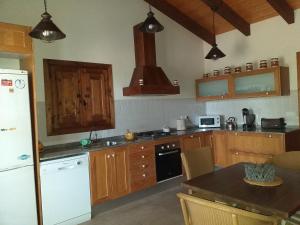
(17, 183)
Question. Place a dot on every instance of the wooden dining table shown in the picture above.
(228, 187)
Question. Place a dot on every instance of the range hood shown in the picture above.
(147, 78)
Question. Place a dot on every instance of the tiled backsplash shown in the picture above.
(269, 107)
(134, 114)
(151, 114)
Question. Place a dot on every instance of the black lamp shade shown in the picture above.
(215, 53)
(46, 30)
(151, 25)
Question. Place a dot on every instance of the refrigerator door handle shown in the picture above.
(24, 157)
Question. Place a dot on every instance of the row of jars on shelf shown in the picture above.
(263, 64)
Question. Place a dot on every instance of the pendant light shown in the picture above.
(46, 30)
(214, 53)
(151, 25)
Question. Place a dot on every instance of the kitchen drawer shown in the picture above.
(263, 143)
(142, 183)
(237, 157)
(139, 173)
(141, 147)
(142, 165)
(141, 158)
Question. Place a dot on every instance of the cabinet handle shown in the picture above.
(235, 133)
(192, 136)
(236, 153)
(267, 93)
(113, 155)
(108, 156)
(222, 96)
(270, 136)
(144, 175)
(142, 156)
(144, 166)
(142, 147)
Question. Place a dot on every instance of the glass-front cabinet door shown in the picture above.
(210, 89)
(260, 83)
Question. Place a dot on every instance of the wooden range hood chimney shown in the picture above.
(155, 81)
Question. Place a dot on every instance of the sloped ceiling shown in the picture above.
(231, 14)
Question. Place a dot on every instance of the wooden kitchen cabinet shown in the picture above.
(108, 174)
(220, 148)
(262, 82)
(196, 140)
(213, 88)
(79, 96)
(256, 83)
(254, 147)
(142, 168)
(15, 39)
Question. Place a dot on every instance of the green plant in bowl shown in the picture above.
(85, 142)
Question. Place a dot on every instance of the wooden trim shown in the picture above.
(230, 15)
(283, 9)
(185, 21)
(298, 84)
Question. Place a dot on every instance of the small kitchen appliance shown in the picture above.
(248, 119)
(180, 124)
(210, 121)
(276, 123)
(231, 123)
(17, 182)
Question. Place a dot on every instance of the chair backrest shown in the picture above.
(197, 211)
(197, 162)
(288, 160)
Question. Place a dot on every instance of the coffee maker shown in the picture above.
(248, 119)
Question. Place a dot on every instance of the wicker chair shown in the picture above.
(197, 211)
(288, 160)
(197, 162)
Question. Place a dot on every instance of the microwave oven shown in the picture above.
(210, 121)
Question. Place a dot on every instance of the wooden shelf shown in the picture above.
(256, 83)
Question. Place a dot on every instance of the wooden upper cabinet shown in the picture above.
(97, 97)
(15, 39)
(79, 96)
(257, 83)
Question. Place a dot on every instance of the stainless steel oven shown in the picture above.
(168, 161)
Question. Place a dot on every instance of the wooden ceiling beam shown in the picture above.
(230, 15)
(284, 10)
(183, 20)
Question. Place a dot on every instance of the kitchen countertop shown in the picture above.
(72, 149)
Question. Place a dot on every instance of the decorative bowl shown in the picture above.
(260, 172)
(129, 136)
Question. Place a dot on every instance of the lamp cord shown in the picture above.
(45, 4)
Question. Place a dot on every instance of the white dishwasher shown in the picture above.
(65, 189)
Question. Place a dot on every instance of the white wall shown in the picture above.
(101, 31)
(269, 38)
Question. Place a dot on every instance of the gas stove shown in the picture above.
(152, 134)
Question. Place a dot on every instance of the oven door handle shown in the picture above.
(168, 153)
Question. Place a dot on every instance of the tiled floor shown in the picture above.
(158, 206)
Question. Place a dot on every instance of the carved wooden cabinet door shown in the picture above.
(79, 96)
(96, 97)
(63, 99)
